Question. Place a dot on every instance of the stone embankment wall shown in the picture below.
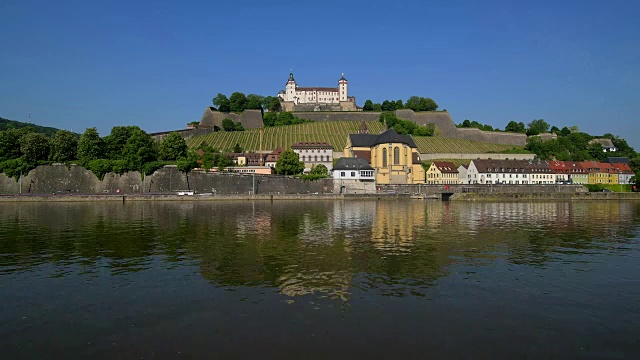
(428, 157)
(483, 189)
(250, 119)
(56, 179)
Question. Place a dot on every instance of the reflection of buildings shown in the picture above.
(395, 224)
(333, 284)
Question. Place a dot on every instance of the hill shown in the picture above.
(335, 133)
(6, 124)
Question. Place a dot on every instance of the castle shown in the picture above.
(296, 98)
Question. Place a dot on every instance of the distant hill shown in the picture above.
(335, 133)
(6, 124)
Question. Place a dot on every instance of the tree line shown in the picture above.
(405, 126)
(535, 127)
(415, 103)
(126, 148)
(239, 102)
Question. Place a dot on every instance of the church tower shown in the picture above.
(290, 88)
(343, 88)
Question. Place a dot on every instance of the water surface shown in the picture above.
(320, 279)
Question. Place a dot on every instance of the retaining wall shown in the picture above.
(57, 179)
(430, 156)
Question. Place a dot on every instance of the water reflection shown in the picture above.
(327, 248)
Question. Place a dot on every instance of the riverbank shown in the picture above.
(544, 196)
(276, 197)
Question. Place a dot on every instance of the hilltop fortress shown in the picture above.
(335, 104)
(295, 98)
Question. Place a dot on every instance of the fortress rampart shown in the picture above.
(445, 126)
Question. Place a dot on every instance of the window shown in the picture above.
(342, 174)
(384, 157)
(396, 155)
(353, 174)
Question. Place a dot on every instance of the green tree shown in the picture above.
(114, 142)
(388, 105)
(10, 143)
(254, 102)
(271, 104)
(222, 103)
(319, 170)
(139, 149)
(90, 146)
(368, 106)
(427, 130)
(564, 131)
(399, 104)
(377, 107)
(417, 103)
(238, 102)
(228, 125)
(237, 126)
(237, 149)
(270, 118)
(537, 127)
(34, 147)
(64, 146)
(515, 127)
(173, 147)
(289, 163)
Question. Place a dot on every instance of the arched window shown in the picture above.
(384, 157)
(315, 158)
(302, 158)
(396, 155)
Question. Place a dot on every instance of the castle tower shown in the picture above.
(343, 88)
(290, 92)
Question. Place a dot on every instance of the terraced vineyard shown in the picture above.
(435, 144)
(334, 133)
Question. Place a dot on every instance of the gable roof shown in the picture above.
(389, 136)
(358, 164)
(446, 167)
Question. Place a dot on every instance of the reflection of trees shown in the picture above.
(392, 247)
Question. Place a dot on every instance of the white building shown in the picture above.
(515, 172)
(353, 169)
(462, 174)
(314, 153)
(295, 97)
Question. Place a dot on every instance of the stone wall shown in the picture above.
(250, 119)
(483, 189)
(60, 179)
(338, 115)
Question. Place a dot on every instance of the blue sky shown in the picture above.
(158, 64)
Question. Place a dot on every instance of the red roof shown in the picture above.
(446, 166)
(622, 168)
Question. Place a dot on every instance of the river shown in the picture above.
(320, 279)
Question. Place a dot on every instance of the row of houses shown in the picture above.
(535, 172)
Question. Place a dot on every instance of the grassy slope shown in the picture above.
(6, 124)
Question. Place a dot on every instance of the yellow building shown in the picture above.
(394, 157)
(442, 172)
(600, 173)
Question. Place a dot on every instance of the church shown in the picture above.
(297, 98)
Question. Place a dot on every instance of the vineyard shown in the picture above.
(334, 133)
(435, 144)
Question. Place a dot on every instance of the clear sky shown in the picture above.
(157, 64)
